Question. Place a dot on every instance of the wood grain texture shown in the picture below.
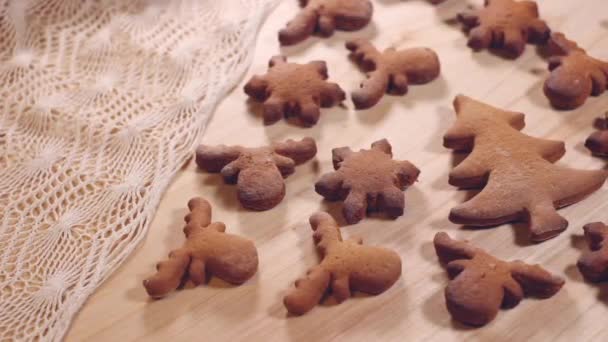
(414, 308)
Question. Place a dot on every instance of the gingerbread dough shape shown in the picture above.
(368, 180)
(346, 266)
(323, 17)
(481, 284)
(294, 90)
(208, 251)
(574, 74)
(593, 264)
(505, 25)
(516, 171)
(257, 172)
(390, 71)
(597, 142)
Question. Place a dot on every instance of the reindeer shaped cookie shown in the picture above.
(323, 17)
(346, 266)
(574, 74)
(481, 284)
(593, 264)
(597, 142)
(208, 250)
(258, 172)
(390, 71)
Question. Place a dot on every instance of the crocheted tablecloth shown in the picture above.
(102, 102)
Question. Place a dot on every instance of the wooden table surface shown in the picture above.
(414, 308)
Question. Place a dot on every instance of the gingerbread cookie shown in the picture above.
(368, 180)
(208, 251)
(346, 266)
(597, 143)
(574, 74)
(593, 264)
(323, 17)
(290, 89)
(505, 25)
(516, 171)
(481, 284)
(258, 172)
(390, 71)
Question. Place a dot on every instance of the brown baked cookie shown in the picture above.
(390, 71)
(368, 180)
(208, 251)
(291, 89)
(516, 171)
(505, 25)
(257, 172)
(346, 266)
(597, 143)
(323, 17)
(574, 74)
(481, 284)
(593, 264)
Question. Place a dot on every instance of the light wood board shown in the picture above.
(414, 308)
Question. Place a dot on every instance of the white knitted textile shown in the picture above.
(101, 103)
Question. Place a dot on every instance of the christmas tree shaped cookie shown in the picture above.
(516, 171)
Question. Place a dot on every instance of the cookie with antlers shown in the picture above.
(593, 264)
(208, 251)
(368, 180)
(323, 17)
(506, 25)
(516, 172)
(346, 266)
(597, 142)
(257, 172)
(390, 71)
(291, 89)
(481, 284)
(574, 74)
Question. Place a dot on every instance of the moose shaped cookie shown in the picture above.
(323, 17)
(593, 264)
(481, 284)
(390, 71)
(516, 171)
(291, 89)
(368, 180)
(208, 251)
(258, 172)
(346, 266)
(597, 142)
(574, 74)
(505, 25)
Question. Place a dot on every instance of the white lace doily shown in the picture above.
(101, 103)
